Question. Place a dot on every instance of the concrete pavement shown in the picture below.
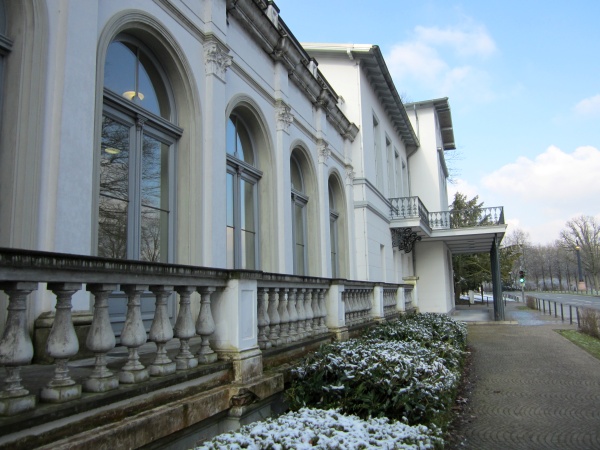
(530, 388)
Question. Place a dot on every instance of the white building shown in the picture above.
(195, 146)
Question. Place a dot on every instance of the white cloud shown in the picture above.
(472, 41)
(542, 194)
(588, 106)
(442, 61)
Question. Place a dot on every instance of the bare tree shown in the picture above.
(584, 232)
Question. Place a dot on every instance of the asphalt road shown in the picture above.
(586, 301)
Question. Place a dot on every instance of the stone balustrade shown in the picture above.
(288, 310)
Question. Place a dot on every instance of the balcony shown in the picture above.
(468, 231)
(222, 357)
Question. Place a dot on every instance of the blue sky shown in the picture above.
(523, 81)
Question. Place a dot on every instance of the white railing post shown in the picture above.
(62, 344)
(301, 314)
(184, 329)
(133, 336)
(263, 319)
(284, 316)
(274, 318)
(101, 340)
(308, 311)
(205, 327)
(161, 332)
(293, 315)
(16, 350)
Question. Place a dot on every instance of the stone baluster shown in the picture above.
(308, 324)
(284, 317)
(263, 320)
(161, 332)
(205, 326)
(322, 311)
(184, 329)
(316, 310)
(293, 315)
(274, 318)
(101, 340)
(61, 345)
(301, 314)
(16, 349)
(133, 336)
(348, 296)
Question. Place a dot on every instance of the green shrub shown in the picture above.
(406, 370)
(589, 322)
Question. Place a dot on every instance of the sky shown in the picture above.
(523, 83)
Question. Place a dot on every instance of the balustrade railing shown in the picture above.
(412, 208)
(408, 208)
(290, 312)
(390, 302)
(358, 303)
(289, 309)
(476, 217)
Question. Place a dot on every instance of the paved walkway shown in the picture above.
(530, 387)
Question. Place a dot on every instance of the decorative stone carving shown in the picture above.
(324, 151)
(350, 174)
(404, 239)
(284, 116)
(216, 60)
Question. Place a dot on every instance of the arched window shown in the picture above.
(299, 207)
(242, 197)
(137, 160)
(333, 234)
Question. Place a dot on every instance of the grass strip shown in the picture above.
(588, 343)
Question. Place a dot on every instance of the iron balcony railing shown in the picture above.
(413, 208)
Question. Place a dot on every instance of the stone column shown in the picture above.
(101, 340)
(62, 344)
(336, 314)
(293, 313)
(308, 311)
(16, 349)
(301, 314)
(284, 317)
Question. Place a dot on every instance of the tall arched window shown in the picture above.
(299, 202)
(242, 197)
(333, 234)
(137, 160)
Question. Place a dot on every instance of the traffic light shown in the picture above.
(521, 276)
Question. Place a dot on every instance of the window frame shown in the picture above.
(142, 122)
(242, 171)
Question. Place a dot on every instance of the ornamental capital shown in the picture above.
(350, 175)
(284, 116)
(216, 60)
(324, 151)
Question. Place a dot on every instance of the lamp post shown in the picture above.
(580, 281)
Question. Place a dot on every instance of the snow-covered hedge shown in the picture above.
(319, 429)
(406, 370)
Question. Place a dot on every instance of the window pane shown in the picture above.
(247, 206)
(114, 190)
(151, 86)
(230, 246)
(296, 176)
(334, 249)
(231, 137)
(245, 151)
(299, 223)
(230, 182)
(154, 239)
(155, 174)
(114, 159)
(248, 250)
(119, 69)
(112, 228)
